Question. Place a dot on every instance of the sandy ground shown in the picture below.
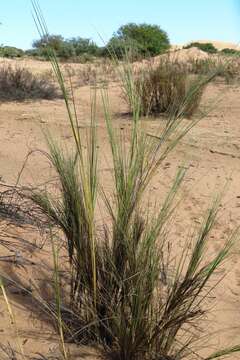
(211, 152)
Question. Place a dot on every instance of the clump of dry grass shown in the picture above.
(224, 67)
(17, 83)
(95, 74)
(164, 88)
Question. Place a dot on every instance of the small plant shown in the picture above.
(17, 83)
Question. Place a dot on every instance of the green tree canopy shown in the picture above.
(146, 39)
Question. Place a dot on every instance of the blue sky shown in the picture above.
(184, 20)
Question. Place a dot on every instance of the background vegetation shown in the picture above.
(143, 40)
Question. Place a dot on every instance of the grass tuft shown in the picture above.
(125, 288)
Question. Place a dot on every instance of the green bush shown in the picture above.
(33, 52)
(65, 49)
(11, 52)
(207, 47)
(145, 39)
(83, 46)
(228, 51)
(120, 48)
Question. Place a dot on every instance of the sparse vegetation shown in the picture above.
(207, 47)
(17, 83)
(228, 51)
(228, 69)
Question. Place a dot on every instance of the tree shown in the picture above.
(62, 47)
(120, 47)
(146, 39)
(54, 41)
(83, 46)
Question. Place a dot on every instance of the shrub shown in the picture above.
(20, 84)
(33, 52)
(11, 52)
(147, 40)
(84, 58)
(207, 47)
(165, 88)
(228, 51)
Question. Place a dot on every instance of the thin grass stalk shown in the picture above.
(55, 252)
(89, 192)
(12, 319)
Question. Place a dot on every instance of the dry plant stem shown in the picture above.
(58, 296)
(12, 320)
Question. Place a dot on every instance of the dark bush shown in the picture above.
(207, 47)
(167, 88)
(228, 51)
(20, 84)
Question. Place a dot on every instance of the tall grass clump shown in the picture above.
(125, 289)
(163, 88)
(17, 83)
